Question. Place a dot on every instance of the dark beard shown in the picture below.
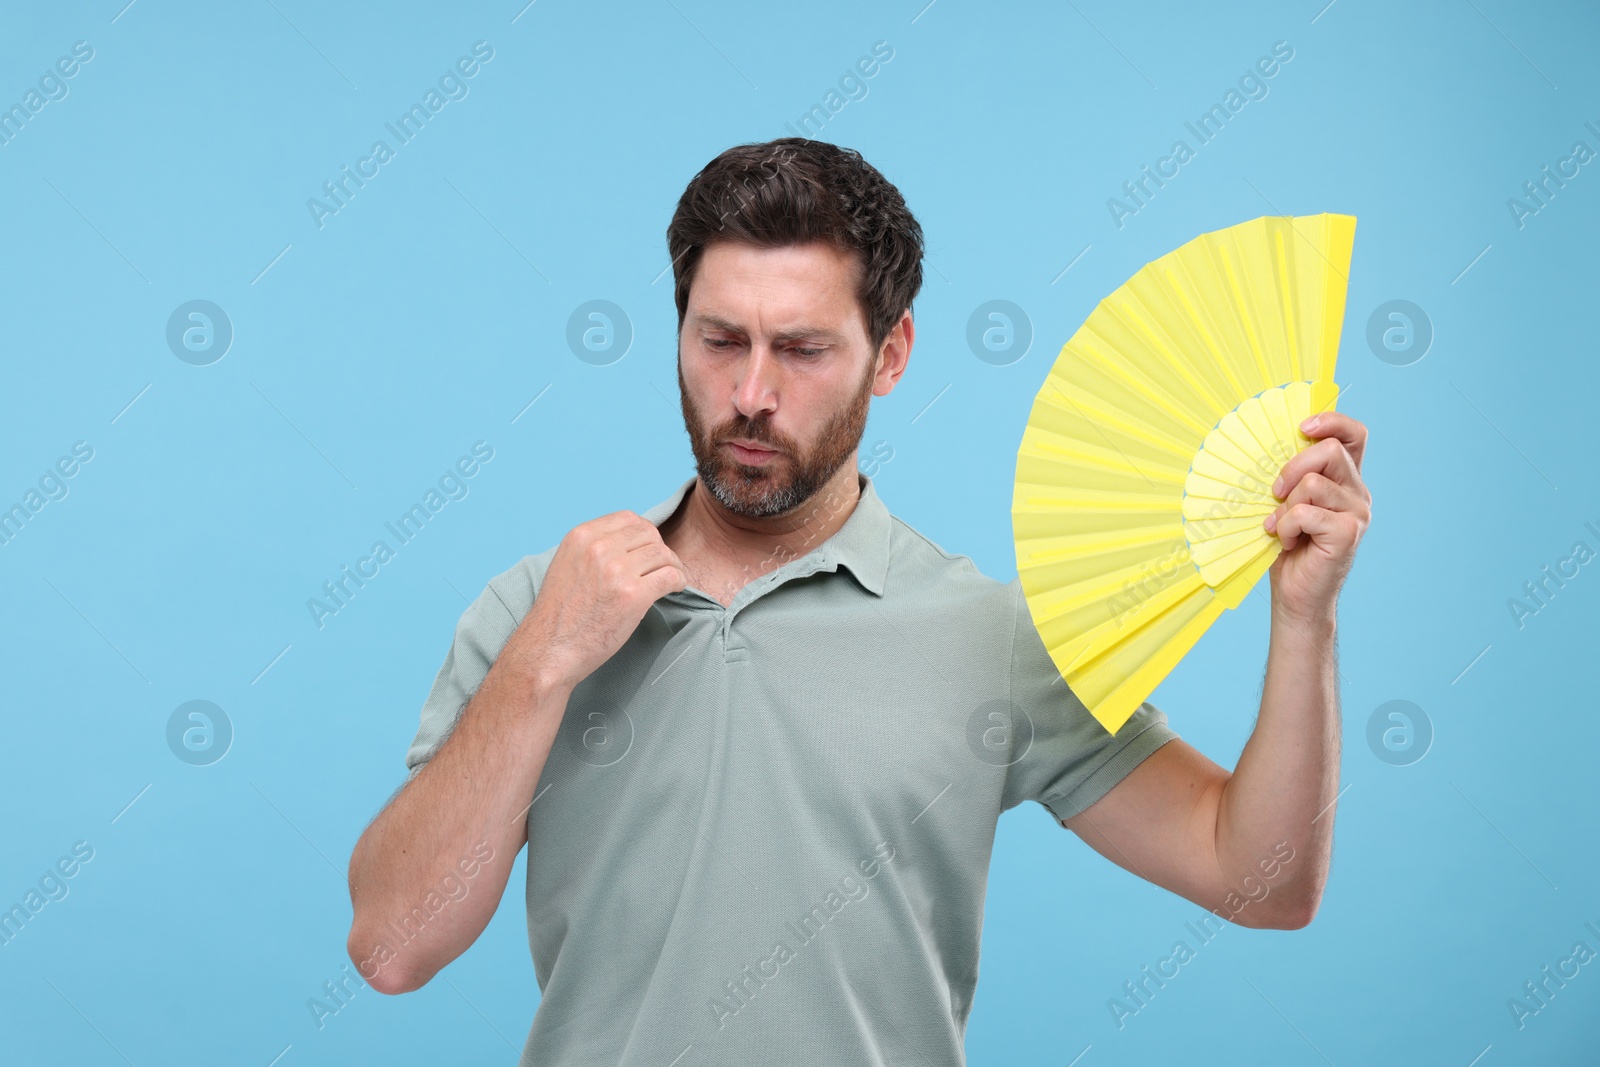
(786, 481)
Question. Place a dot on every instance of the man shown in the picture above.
(757, 739)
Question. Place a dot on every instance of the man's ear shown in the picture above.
(894, 354)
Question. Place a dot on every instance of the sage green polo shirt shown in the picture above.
(763, 832)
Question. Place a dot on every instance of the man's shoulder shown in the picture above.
(508, 596)
(929, 565)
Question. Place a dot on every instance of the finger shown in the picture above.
(630, 532)
(1328, 458)
(1336, 424)
(662, 571)
(651, 557)
(1322, 492)
(596, 529)
(666, 580)
(1336, 531)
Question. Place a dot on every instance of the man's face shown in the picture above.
(774, 352)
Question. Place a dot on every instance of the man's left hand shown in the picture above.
(1321, 520)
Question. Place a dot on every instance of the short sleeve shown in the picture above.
(1071, 760)
(481, 632)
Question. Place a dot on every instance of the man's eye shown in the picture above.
(720, 344)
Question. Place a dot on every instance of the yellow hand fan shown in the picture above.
(1147, 464)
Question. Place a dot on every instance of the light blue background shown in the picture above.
(371, 353)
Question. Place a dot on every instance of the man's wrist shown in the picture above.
(530, 674)
(1319, 628)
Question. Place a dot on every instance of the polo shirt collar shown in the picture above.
(861, 545)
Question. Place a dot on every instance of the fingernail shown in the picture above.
(1311, 422)
(1272, 522)
(1277, 486)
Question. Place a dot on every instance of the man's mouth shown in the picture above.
(750, 453)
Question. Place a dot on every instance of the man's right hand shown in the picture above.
(603, 578)
(477, 787)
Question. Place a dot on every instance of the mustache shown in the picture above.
(750, 432)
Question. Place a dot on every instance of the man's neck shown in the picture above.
(724, 552)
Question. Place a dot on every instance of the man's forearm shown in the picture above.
(1288, 774)
(468, 801)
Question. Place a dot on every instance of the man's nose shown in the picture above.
(757, 381)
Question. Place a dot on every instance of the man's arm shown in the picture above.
(467, 802)
(1221, 839)
(1255, 845)
(470, 801)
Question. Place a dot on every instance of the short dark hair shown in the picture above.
(794, 190)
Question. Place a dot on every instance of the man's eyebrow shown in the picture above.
(794, 333)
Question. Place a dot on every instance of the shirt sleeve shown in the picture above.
(1070, 759)
(481, 632)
